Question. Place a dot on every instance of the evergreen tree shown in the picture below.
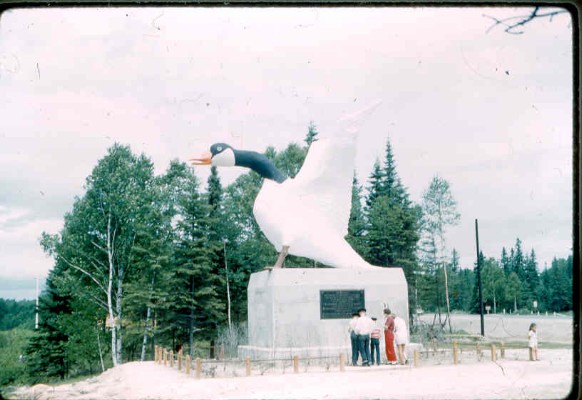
(357, 222)
(46, 352)
(214, 190)
(311, 134)
(517, 261)
(390, 182)
(197, 305)
(476, 305)
(505, 262)
(375, 185)
(531, 280)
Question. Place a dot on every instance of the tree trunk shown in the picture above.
(100, 351)
(227, 291)
(447, 297)
(110, 296)
(147, 322)
(191, 328)
(118, 300)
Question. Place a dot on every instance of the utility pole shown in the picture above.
(36, 309)
(479, 279)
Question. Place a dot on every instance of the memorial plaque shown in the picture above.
(338, 304)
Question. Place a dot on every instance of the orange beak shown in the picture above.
(206, 159)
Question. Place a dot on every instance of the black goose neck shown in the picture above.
(259, 163)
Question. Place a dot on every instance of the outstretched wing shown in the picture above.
(325, 179)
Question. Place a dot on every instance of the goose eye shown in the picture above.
(219, 148)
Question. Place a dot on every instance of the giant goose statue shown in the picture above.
(306, 216)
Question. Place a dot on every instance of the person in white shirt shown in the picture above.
(354, 338)
(401, 338)
(364, 326)
(532, 336)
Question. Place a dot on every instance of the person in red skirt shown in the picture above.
(389, 336)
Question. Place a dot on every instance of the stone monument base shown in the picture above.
(306, 311)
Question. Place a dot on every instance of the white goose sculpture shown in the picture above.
(306, 216)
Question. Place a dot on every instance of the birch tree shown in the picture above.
(439, 212)
(99, 236)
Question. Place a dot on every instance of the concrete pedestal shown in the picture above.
(285, 316)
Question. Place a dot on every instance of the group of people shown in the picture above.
(365, 334)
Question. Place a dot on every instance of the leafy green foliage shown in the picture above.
(12, 359)
(15, 314)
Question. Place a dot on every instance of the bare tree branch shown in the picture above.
(511, 24)
(91, 276)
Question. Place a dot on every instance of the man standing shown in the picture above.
(364, 327)
(354, 338)
(375, 342)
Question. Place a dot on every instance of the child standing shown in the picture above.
(375, 342)
(533, 342)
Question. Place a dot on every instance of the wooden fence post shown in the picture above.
(188, 363)
(478, 350)
(198, 368)
(171, 355)
(502, 349)
(295, 364)
(156, 353)
(180, 360)
(416, 358)
(342, 362)
(248, 366)
(165, 356)
(455, 352)
(493, 353)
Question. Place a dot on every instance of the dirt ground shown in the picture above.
(512, 377)
(435, 378)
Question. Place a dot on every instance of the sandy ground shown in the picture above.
(512, 377)
(556, 329)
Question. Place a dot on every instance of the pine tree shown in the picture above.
(46, 352)
(198, 306)
(214, 190)
(357, 222)
(505, 262)
(517, 261)
(375, 185)
(531, 278)
(390, 183)
(311, 134)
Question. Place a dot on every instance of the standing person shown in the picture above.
(389, 336)
(533, 342)
(364, 327)
(375, 342)
(401, 335)
(354, 338)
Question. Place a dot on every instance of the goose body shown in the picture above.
(307, 215)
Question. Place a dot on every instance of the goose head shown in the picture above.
(220, 155)
(224, 155)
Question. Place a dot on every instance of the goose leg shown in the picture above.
(282, 255)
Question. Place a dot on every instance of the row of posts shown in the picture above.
(166, 358)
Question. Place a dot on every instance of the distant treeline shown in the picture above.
(16, 314)
(144, 259)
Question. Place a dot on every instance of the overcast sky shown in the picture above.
(489, 112)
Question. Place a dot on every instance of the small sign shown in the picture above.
(340, 304)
